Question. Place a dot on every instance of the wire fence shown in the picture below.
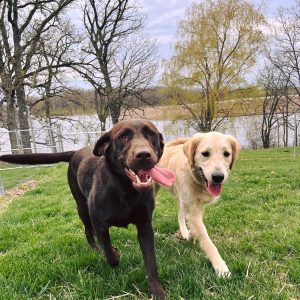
(65, 136)
(46, 140)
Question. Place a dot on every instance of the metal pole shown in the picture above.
(295, 133)
(31, 129)
(19, 141)
(277, 133)
(1, 187)
(50, 135)
(59, 135)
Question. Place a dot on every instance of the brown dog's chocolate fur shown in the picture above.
(104, 194)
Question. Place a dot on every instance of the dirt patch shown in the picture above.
(17, 191)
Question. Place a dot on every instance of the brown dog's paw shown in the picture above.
(114, 258)
(157, 292)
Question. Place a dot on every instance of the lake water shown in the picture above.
(78, 131)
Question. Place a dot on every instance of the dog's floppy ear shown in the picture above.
(102, 144)
(161, 144)
(189, 149)
(235, 146)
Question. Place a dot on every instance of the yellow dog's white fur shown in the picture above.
(184, 156)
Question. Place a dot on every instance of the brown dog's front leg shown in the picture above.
(146, 240)
(111, 253)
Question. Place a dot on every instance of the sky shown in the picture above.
(163, 16)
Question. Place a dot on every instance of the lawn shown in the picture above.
(13, 177)
(255, 225)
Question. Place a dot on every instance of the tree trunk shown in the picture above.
(12, 124)
(266, 140)
(284, 127)
(114, 111)
(23, 119)
(114, 106)
(266, 130)
(102, 110)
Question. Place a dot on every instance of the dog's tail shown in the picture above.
(179, 141)
(37, 158)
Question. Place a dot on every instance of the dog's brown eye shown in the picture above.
(205, 154)
(123, 137)
(151, 133)
(226, 154)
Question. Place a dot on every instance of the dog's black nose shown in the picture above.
(217, 177)
(143, 155)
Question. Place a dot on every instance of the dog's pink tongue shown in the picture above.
(162, 176)
(214, 189)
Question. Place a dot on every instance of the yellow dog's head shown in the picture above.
(211, 155)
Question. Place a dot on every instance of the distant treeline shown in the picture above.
(82, 101)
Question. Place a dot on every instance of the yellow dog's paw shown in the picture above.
(180, 235)
(222, 270)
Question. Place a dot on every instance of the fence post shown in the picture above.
(31, 129)
(295, 134)
(59, 136)
(278, 143)
(33, 140)
(1, 187)
(50, 136)
(19, 141)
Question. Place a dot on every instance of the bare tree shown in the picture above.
(119, 62)
(284, 55)
(284, 51)
(55, 52)
(275, 100)
(22, 25)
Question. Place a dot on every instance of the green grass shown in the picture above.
(13, 177)
(255, 225)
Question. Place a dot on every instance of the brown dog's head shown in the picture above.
(133, 147)
(211, 156)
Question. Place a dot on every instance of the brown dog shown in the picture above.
(112, 186)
